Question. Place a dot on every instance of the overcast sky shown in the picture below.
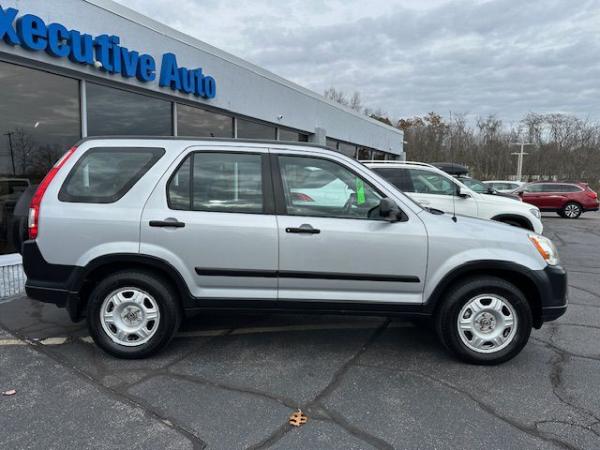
(408, 57)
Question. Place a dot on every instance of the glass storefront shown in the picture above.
(201, 123)
(292, 136)
(114, 112)
(39, 120)
(247, 129)
(347, 149)
(364, 154)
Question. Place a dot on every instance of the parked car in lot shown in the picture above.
(481, 188)
(134, 233)
(568, 200)
(432, 187)
(504, 186)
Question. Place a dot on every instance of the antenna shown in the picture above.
(454, 219)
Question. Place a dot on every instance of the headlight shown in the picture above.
(545, 247)
(536, 212)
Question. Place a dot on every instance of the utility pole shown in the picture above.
(520, 159)
(12, 153)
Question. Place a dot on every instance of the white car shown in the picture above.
(433, 188)
(504, 186)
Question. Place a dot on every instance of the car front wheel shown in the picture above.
(484, 320)
(133, 314)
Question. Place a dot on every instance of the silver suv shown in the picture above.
(134, 233)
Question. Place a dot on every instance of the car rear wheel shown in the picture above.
(571, 210)
(133, 314)
(484, 320)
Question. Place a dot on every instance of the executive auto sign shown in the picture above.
(104, 51)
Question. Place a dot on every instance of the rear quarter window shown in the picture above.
(106, 174)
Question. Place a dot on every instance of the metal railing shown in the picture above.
(12, 280)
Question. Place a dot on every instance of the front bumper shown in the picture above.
(552, 287)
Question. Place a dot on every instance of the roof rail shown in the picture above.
(381, 161)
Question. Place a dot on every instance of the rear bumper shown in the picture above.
(50, 283)
(593, 208)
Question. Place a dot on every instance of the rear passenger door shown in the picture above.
(211, 216)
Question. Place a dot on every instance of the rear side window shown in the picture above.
(105, 174)
(568, 188)
(398, 177)
(218, 182)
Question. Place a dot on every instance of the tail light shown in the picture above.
(591, 194)
(36, 200)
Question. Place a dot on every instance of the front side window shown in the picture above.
(218, 182)
(475, 185)
(105, 174)
(323, 188)
(534, 188)
(425, 182)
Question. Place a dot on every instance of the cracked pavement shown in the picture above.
(231, 381)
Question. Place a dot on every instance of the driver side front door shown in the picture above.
(333, 245)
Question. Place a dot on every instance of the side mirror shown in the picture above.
(389, 210)
(463, 193)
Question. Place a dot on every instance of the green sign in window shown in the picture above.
(360, 192)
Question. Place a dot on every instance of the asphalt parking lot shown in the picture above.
(229, 382)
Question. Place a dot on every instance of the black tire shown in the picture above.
(459, 295)
(571, 210)
(163, 294)
(561, 214)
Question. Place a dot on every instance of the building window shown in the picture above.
(292, 136)
(377, 155)
(201, 123)
(247, 129)
(113, 112)
(331, 143)
(39, 121)
(364, 154)
(347, 149)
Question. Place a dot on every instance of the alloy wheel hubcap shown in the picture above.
(487, 323)
(572, 210)
(129, 316)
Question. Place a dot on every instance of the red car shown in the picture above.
(568, 199)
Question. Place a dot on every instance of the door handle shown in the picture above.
(304, 228)
(425, 202)
(167, 223)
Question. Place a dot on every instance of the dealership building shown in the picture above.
(76, 68)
